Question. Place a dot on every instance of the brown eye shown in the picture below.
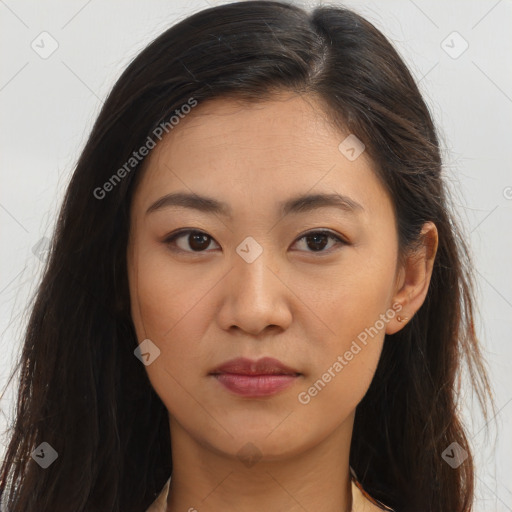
(316, 241)
(193, 241)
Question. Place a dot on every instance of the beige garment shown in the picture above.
(361, 502)
(159, 504)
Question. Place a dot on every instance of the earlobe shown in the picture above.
(398, 323)
(415, 276)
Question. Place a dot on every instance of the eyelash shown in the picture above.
(172, 238)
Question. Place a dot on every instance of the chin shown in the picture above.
(261, 442)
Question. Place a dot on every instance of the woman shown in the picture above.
(256, 297)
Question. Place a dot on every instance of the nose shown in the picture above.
(256, 299)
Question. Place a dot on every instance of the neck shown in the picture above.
(317, 478)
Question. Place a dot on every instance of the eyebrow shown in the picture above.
(298, 204)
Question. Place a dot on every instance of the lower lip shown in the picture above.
(255, 385)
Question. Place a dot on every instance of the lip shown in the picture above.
(264, 377)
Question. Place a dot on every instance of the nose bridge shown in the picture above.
(257, 297)
(254, 280)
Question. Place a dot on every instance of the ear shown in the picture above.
(413, 278)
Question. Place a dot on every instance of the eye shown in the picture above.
(318, 240)
(195, 241)
(198, 241)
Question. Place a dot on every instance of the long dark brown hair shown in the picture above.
(82, 390)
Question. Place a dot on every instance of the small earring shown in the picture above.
(402, 318)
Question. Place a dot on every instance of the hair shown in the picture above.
(80, 387)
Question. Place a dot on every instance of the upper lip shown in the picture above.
(263, 366)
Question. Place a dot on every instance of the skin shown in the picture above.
(298, 305)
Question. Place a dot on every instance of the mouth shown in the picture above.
(264, 377)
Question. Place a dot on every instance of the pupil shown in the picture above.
(200, 238)
(316, 237)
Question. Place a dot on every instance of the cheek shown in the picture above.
(171, 306)
(164, 298)
(356, 309)
(354, 296)
(166, 308)
(344, 367)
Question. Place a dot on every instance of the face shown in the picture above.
(310, 284)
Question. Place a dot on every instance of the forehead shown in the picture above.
(286, 119)
(257, 151)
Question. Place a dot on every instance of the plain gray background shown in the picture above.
(48, 106)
